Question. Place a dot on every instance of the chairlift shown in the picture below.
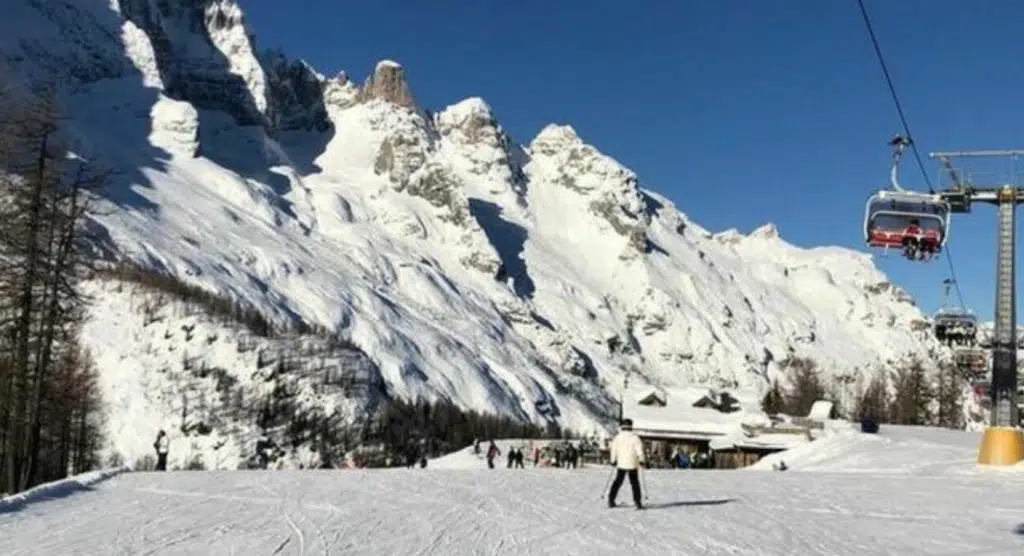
(911, 221)
(917, 223)
(972, 363)
(956, 325)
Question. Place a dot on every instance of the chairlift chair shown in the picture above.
(891, 216)
(955, 324)
(973, 363)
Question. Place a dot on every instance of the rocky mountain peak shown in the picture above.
(612, 191)
(204, 53)
(555, 137)
(298, 92)
(470, 120)
(388, 84)
(768, 231)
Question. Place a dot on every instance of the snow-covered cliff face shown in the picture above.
(511, 278)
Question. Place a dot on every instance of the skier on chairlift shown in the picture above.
(917, 245)
(912, 239)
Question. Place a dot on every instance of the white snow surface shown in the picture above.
(59, 488)
(518, 279)
(167, 365)
(890, 497)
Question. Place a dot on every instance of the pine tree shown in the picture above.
(774, 400)
(949, 393)
(806, 387)
(913, 396)
(874, 402)
(47, 406)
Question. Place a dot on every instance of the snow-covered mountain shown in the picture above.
(519, 278)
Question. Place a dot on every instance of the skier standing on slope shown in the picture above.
(627, 455)
(492, 452)
(161, 445)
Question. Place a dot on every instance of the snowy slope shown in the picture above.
(540, 511)
(937, 451)
(215, 387)
(516, 278)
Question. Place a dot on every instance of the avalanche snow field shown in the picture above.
(932, 507)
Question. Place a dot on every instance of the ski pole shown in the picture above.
(608, 483)
(643, 482)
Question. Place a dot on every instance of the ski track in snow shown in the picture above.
(532, 511)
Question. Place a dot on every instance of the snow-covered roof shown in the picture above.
(768, 440)
(679, 418)
(672, 413)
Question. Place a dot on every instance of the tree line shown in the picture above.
(443, 427)
(906, 395)
(50, 406)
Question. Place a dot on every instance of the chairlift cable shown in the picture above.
(906, 131)
(956, 284)
(895, 97)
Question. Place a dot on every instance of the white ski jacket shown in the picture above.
(627, 451)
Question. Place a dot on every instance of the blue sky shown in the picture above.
(742, 112)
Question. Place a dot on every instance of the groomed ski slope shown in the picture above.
(889, 500)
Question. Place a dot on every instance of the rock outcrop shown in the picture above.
(388, 84)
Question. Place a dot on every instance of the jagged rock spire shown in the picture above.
(388, 84)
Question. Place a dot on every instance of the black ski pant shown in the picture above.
(634, 483)
(161, 462)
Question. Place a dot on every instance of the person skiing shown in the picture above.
(573, 456)
(411, 455)
(492, 452)
(262, 447)
(627, 455)
(161, 446)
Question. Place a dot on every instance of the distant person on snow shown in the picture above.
(511, 457)
(518, 463)
(161, 446)
(492, 452)
(627, 455)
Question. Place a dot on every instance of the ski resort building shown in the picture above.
(728, 428)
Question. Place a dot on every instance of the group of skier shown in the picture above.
(566, 455)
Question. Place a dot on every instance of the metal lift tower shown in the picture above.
(1003, 441)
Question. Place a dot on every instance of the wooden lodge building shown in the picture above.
(727, 429)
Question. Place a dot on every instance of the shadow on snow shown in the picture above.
(686, 503)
